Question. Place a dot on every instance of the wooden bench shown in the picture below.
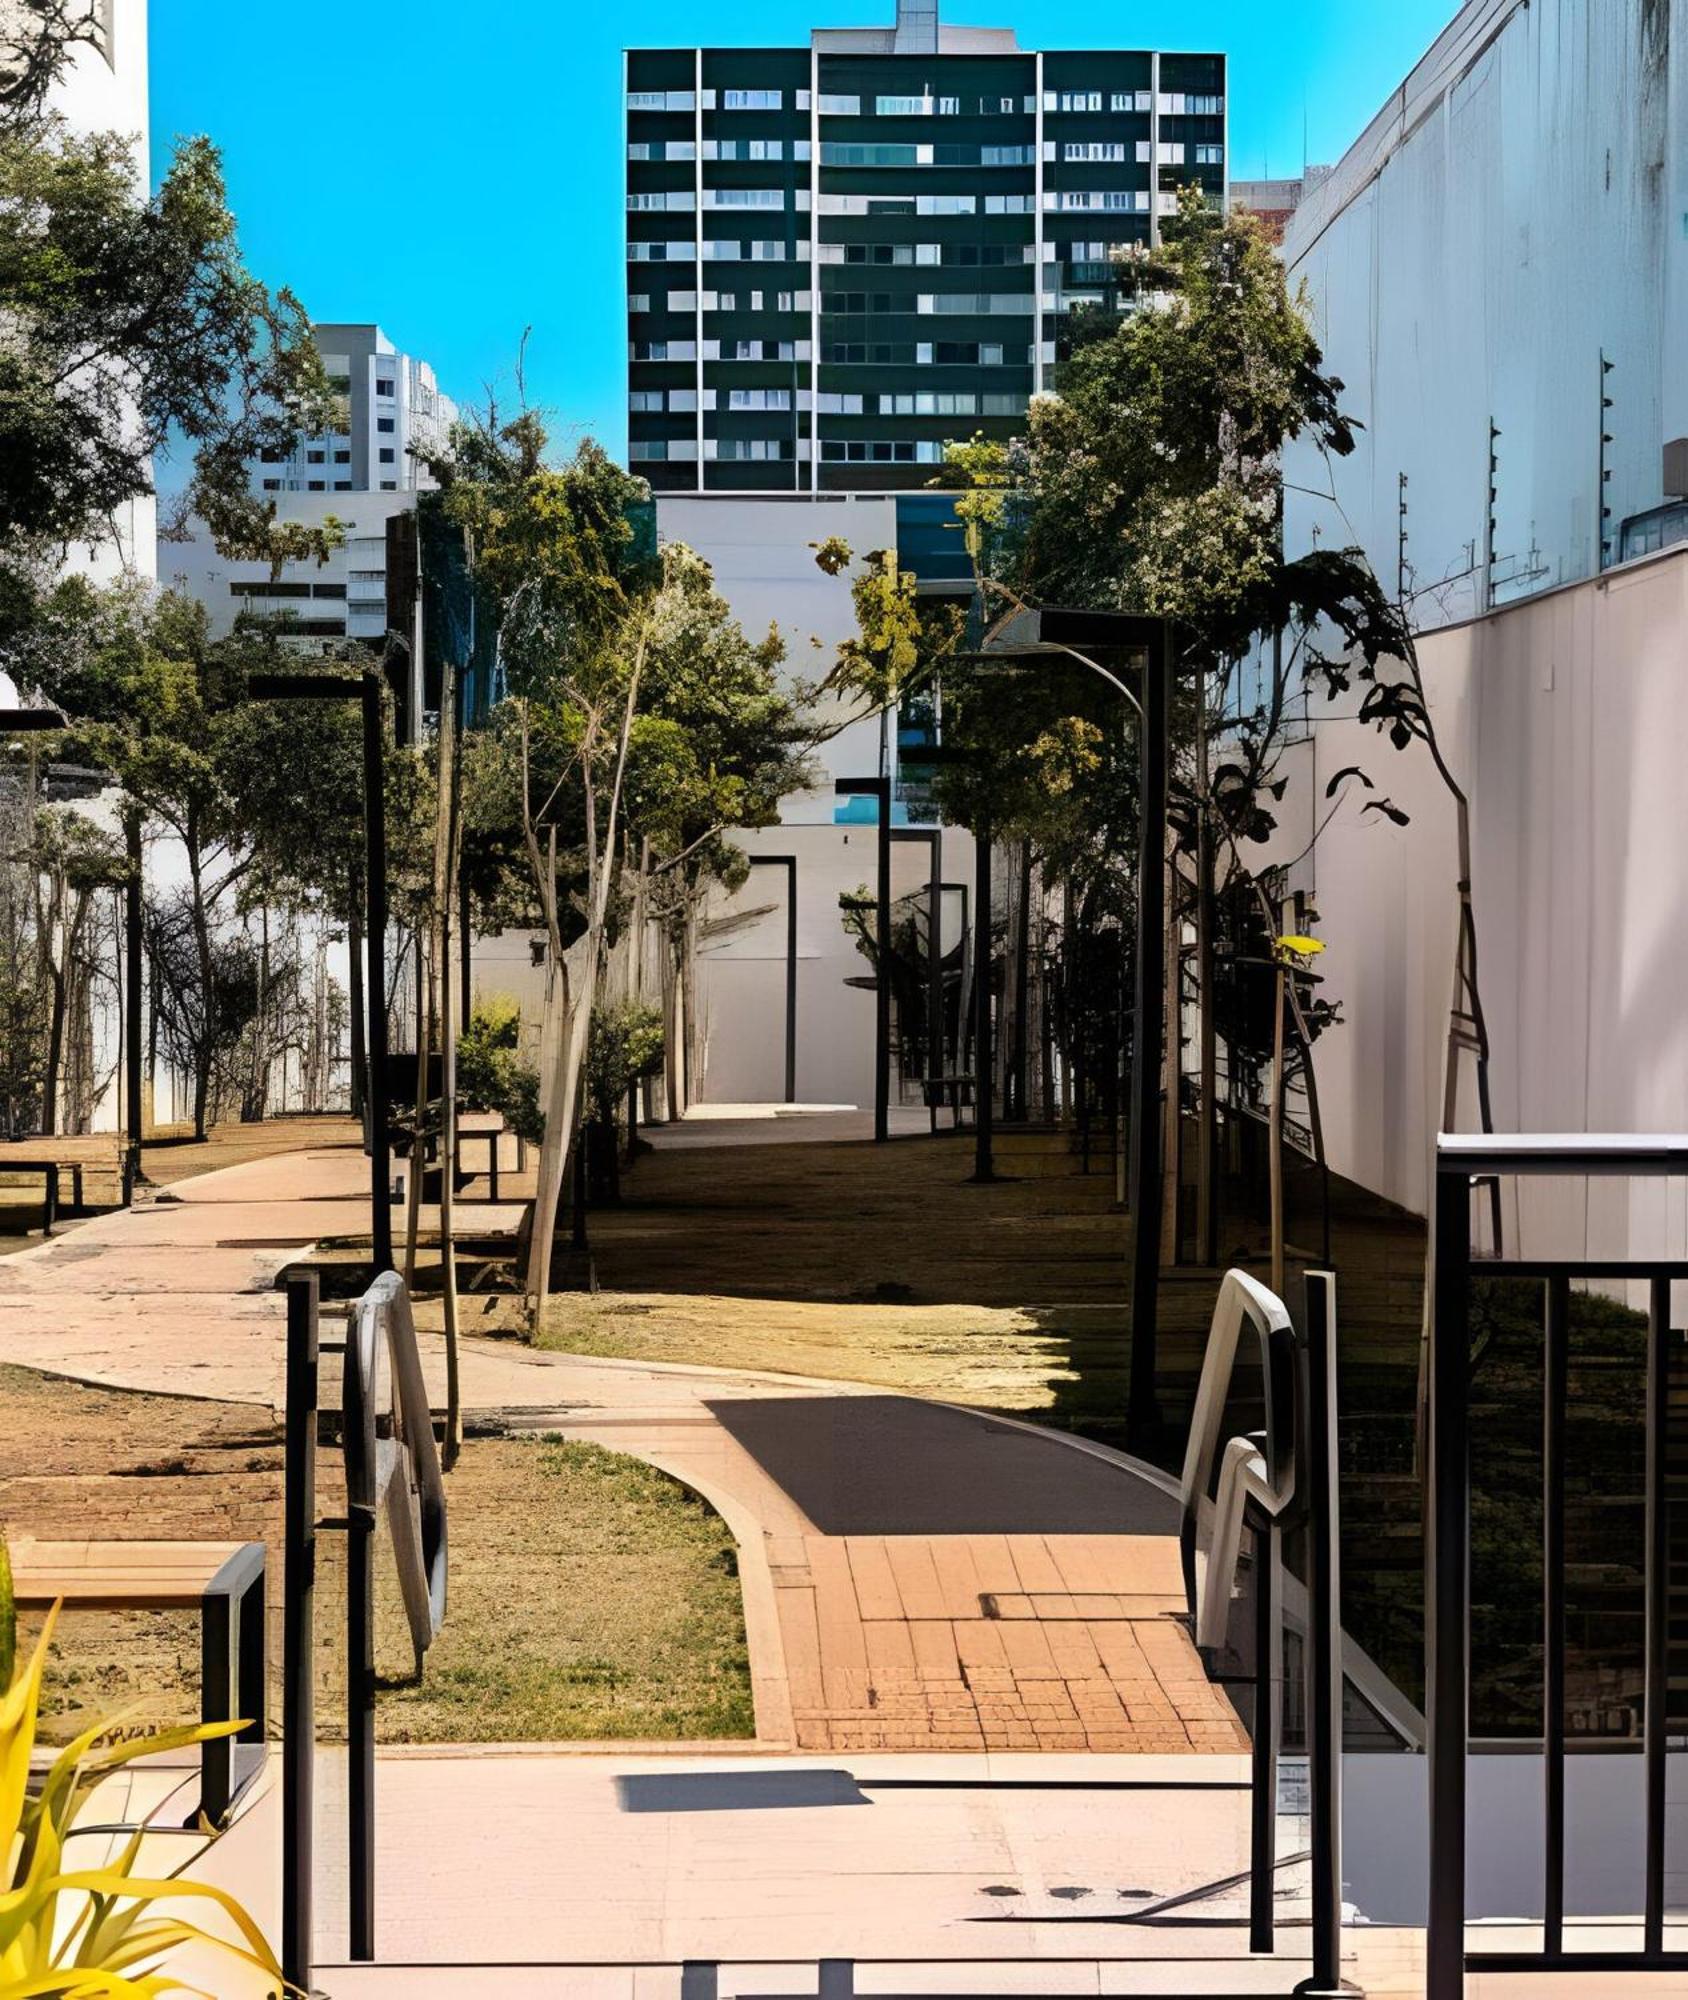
(51, 1167)
(225, 1581)
(489, 1136)
(940, 1088)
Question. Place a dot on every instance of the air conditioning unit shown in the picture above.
(1676, 469)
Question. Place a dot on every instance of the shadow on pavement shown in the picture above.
(736, 1791)
(890, 1465)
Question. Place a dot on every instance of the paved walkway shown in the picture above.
(915, 1577)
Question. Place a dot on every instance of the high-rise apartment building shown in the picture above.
(393, 409)
(366, 475)
(840, 256)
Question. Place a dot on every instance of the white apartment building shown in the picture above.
(361, 474)
(393, 412)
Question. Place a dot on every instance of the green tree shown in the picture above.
(128, 320)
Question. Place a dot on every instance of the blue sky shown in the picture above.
(454, 172)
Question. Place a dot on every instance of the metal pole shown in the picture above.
(298, 1707)
(935, 978)
(1263, 1789)
(882, 979)
(984, 1107)
(1446, 1578)
(375, 945)
(360, 1675)
(791, 979)
(1555, 1382)
(132, 988)
(466, 969)
(1657, 1628)
(1324, 1634)
(1143, 1407)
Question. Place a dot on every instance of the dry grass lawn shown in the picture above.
(591, 1596)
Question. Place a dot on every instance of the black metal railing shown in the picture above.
(1271, 1482)
(1461, 1163)
(392, 1464)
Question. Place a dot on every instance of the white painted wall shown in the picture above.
(1565, 720)
(741, 979)
(358, 568)
(759, 548)
(1520, 203)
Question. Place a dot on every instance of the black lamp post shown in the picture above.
(1033, 635)
(367, 689)
(879, 789)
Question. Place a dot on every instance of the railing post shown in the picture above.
(1555, 1389)
(1323, 1645)
(1657, 1587)
(360, 1664)
(1263, 1818)
(1446, 1578)
(298, 1748)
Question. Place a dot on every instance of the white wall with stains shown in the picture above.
(1519, 205)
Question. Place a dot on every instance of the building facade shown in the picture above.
(841, 256)
(1273, 202)
(1505, 247)
(367, 474)
(392, 413)
(1498, 271)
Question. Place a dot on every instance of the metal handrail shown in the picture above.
(1273, 1480)
(1461, 1160)
(1261, 1471)
(392, 1463)
(391, 1454)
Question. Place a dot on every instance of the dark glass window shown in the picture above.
(387, 454)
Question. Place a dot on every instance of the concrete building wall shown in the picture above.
(1564, 720)
(764, 566)
(1518, 207)
(759, 549)
(345, 596)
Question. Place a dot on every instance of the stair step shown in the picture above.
(1015, 1979)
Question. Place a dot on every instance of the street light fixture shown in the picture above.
(368, 689)
(1034, 633)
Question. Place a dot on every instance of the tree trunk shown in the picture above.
(1172, 1070)
(445, 832)
(354, 989)
(1019, 1077)
(208, 1023)
(1207, 1145)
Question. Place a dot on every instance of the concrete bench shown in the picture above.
(225, 1582)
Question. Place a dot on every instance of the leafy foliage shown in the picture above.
(69, 1933)
(625, 1047)
(491, 1072)
(129, 320)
